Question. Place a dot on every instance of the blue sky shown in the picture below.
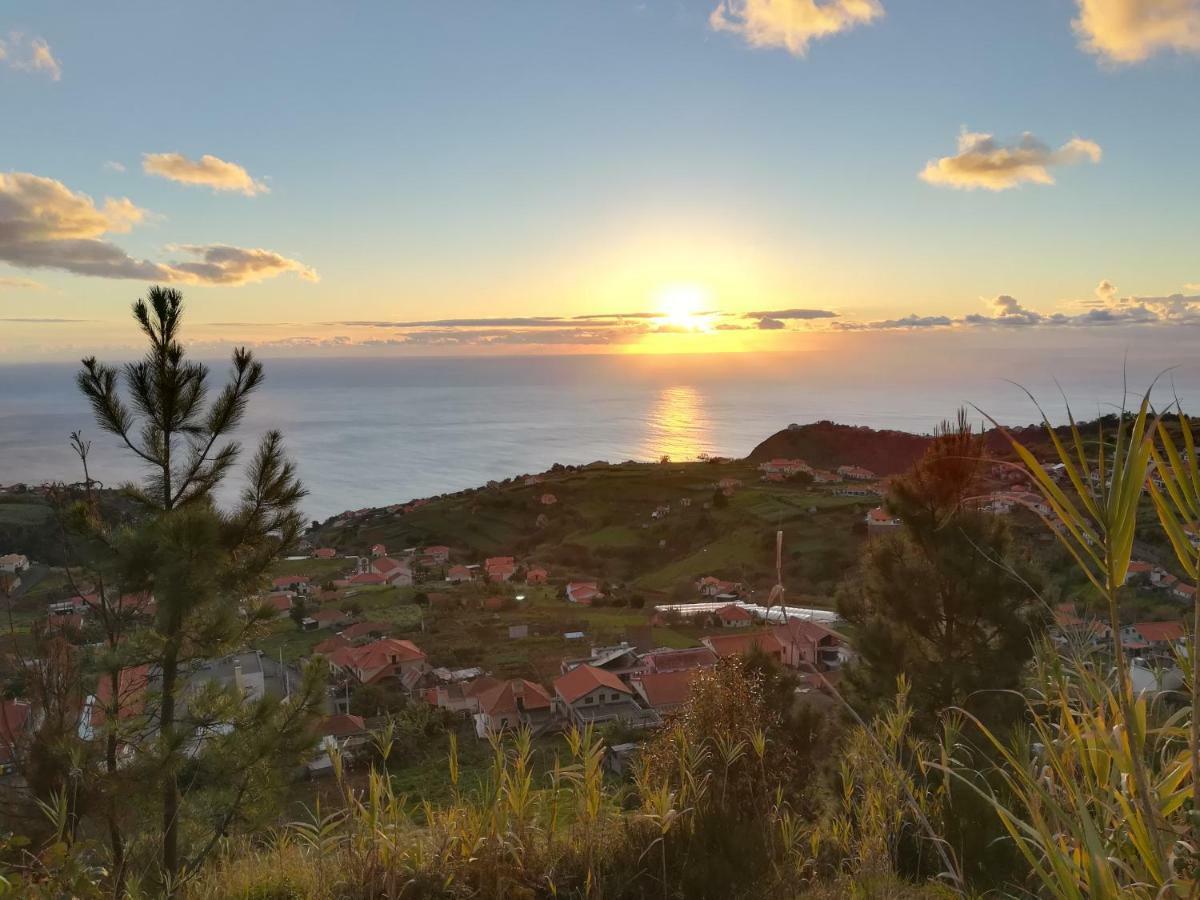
(445, 159)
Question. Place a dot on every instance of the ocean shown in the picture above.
(373, 432)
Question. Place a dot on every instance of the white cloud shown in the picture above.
(26, 54)
(210, 171)
(791, 24)
(982, 162)
(912, 322)
(46, 225)
(1129, 31)
(113, 166)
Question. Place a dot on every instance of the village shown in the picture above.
(518, 641)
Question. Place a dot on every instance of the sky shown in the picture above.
(561, 176)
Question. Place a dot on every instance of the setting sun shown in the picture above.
(682, 307)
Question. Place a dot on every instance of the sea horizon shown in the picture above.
(378, 431)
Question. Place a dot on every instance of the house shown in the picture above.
(281, 602)
(1157, 635)
(726, 645)
(378, 551)
(330, 644)
(856, 473)
(621, 659)
(516, 703)
(361, 631)
(297, 583)
(548, 500)
(784, 467)
(583, 592)
(824, 476)
(808, 644)
(368, 578)
(663, 661)
(14, 563)
(325, 553)
(734, 616)
(880, 521)
(531, 480)
(330, 618)
(343, 727)
(459, 696)
(458, 574)
(393, 571)
(590, 696)
(1181, 591)
(499, 568)
(133, 684)
(729, 485)
(535, 575)
(16, 722)
(664, 692)
(379, 661)
(715, 587)
(437, 553)
(1138, 570)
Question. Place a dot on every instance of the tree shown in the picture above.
(941, 601)
(197, 561)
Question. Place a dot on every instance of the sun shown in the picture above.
(682, 307)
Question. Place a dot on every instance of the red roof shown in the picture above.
(376, 655)
(668, 688)
(386, 566)
(368, 578)
(328, 615)
(132, 683)
(678, 660)
(364, 629)
(14, 719)
(325, 553)
(343, 725)
(740, 644)
(1138, 567)
(493, 561)
(281, 602)
(502, 698)
(1160, 632)
(732, 613)
(584, 679)
(330, 644)
(806, 630)
(284, 581)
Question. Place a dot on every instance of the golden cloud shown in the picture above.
(983, 162)
(791, 24)
(210, 171)
(1129, 31)
(29, 55)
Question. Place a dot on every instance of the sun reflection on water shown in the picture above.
(677, 426)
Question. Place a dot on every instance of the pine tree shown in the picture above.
(198, 562)
(943, 600)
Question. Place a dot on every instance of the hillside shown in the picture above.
(828, 445)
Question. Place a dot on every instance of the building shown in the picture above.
(297, 583)
(14, 563)
(535, 575)
(499, 568)
(393, 571)
(548, 500)
(437, 553)
(329, 645)
(734, 616)
(715, 587)
(663, 661)
(726, 645)
(621, 660)
(366, 631)
(378, 551)
(664, 692)
(880, 521)
(784, 467)
(583, 592)
(590, 696)
(379, 661)
(808, 644)
(516, 703)
(1155, 635)
(325, 553)
(856, 473)
(458, 574)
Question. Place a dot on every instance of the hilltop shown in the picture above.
(829, 445)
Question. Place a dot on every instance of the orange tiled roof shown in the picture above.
(584, 679)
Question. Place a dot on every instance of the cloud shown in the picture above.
(1129, 31)
(221, 264)
(767, 324)
(46, 225)
(791, 24)
(22, 284)
(1195, 286)
(1007, 311)
(25, 54)
(908, 323)
(982, 162)
(791, 314)
(113, 166)
(46, 321)
(209, 171)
